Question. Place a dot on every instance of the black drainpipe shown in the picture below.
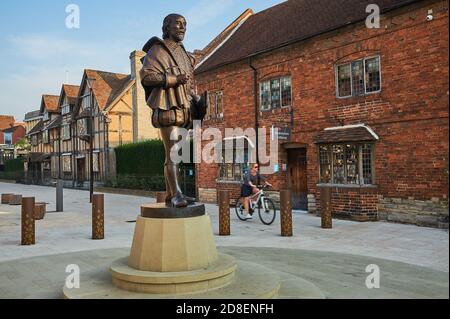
(255, 97)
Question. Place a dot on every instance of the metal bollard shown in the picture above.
(39, 210)
(286, 212)
(161, 197)
(98, 216)
(15, 200)
(325, 207)
(224, 213)
(6, 198)
(59, 195)
(28, 225)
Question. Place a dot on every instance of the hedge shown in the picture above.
(141, 166)
(14, 165)
(13, 170)
(143, 158)
(150, 183)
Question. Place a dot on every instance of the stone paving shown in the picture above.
(70, 231)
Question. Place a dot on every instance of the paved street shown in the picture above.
(70, 231)
(413, 261)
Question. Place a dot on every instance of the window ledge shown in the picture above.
(347, 185)
(222, 181)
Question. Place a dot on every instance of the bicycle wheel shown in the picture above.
(239, 208)
(267, 215)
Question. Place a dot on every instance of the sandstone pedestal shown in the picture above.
(173, 255)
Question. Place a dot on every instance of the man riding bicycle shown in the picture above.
(250, 188)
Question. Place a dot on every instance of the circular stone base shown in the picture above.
(219, 274)
(161, 210)
(251, 281)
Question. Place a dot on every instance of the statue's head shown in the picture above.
(174, 27)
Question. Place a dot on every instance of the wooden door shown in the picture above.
(298, 178)
(81, 170)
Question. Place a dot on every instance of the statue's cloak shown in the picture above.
(161, 61)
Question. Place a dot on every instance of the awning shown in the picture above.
(55, 123)
(39, 157)
(37, 128)
(239, 142)
(348, 133)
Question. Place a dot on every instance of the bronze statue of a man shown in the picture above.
(168, 79)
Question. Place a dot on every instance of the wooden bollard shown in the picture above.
(6, 198)
(98, 216)
(286, 212)
(28, 230)
(161, 197)
(224, 213)
(325, 207)
(39, 210)
(15, 199)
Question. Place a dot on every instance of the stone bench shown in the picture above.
(39, 210)
(15, 200)
(6, 198)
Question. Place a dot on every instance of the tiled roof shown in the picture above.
(290, 22)
(37, 128)
(50, 103)
(71, 91)
(6, 121)
(107, 86)
(13, 127)
(32, 115)
(219, 40)
(357, 133)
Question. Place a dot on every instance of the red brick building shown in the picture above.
(13, 134)
(366, 109)
(6, 121)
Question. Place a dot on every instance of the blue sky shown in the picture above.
(37, 49)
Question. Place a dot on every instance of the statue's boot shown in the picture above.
(190, 200)
(179, 201)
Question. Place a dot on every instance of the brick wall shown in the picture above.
(357, 203)
(410, 114)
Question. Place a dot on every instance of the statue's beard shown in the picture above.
(179, 37)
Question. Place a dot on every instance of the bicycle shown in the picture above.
(265, 206)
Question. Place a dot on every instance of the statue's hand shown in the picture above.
(182, 79)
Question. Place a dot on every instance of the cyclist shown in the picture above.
(249, 187)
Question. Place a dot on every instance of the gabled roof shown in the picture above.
(71, 91)
(289, 22)
(32, 115)
(218, 41)
(6, 121)
(106, 86)
(49, 103)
